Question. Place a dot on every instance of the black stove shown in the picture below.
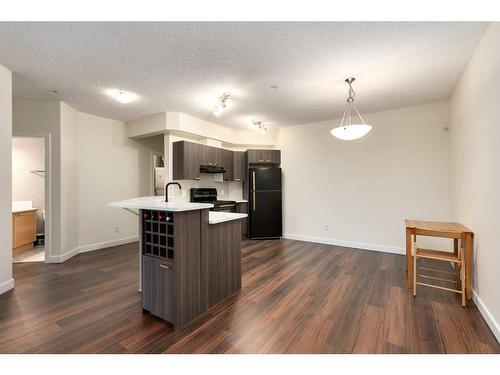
(209, 195)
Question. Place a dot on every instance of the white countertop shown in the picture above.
(22, 206)
(216, 217)
(158, 203)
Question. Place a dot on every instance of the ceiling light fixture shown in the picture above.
(221, 104)
(121, 96)
(259, 126)
(347, 130)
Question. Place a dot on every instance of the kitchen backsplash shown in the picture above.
(225, 190)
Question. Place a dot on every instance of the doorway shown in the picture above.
(30, 198)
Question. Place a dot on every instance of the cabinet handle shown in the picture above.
(196, 178)
(268, 161)
(261, 160)
(237, 179)
(166, 266)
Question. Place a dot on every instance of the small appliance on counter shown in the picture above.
(209, 195)
(265, 203)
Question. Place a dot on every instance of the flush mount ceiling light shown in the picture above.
(258, 126)
(221, 104)
(349, 130)
(121, 96)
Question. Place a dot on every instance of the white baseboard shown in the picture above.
(103, 245)
(91, 247)
(6, 285)
(490, 320)
(61, 258)
(355, 245)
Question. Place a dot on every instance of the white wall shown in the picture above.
(28, 154)
(475, 156)
(364, 189)
(111, 167)
(93, 162)
(6, 281)
(70, 214)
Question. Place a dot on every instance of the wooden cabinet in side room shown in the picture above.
(23, 229)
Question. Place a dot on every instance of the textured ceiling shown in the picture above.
(185, 66)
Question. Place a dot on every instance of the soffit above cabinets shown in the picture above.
(182, 125)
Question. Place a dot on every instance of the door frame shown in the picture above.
(48, 185)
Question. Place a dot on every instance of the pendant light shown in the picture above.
(349, 130)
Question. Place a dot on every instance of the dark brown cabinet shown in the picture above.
(239, 168)
(242, 208)
(272, 157)
(223, 265)
(158, 287)
(171, 261)
(187, 159)
(188, 156)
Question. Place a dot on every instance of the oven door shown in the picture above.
(224, 208)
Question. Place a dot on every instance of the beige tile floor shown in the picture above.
(36, 254)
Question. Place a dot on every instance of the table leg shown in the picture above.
(468, 264)
(408, 256)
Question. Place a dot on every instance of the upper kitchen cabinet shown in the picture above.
(227, 157)
(239, 169)
(187, 159)
(264, 157)
(188, 156)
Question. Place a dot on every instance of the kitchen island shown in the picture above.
(190, 257)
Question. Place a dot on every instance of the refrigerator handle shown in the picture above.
(253, 200)
(253, 181)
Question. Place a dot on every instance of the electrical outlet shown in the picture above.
(117, 229)
(326, 228)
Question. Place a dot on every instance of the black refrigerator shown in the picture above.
(265, 203)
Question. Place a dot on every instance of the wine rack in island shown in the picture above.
(158, 234)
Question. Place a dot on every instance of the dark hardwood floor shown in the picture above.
(297, 297)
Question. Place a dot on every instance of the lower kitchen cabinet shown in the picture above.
(171, 256)
(158, 292)
(242, 208)
(188, 264)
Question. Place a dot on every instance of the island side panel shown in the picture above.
(187, 263)
(204, 258)
(141, 239)
(223, 260)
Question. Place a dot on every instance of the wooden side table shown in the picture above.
(445, 230)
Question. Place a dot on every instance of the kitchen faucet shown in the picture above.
(166, 189)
